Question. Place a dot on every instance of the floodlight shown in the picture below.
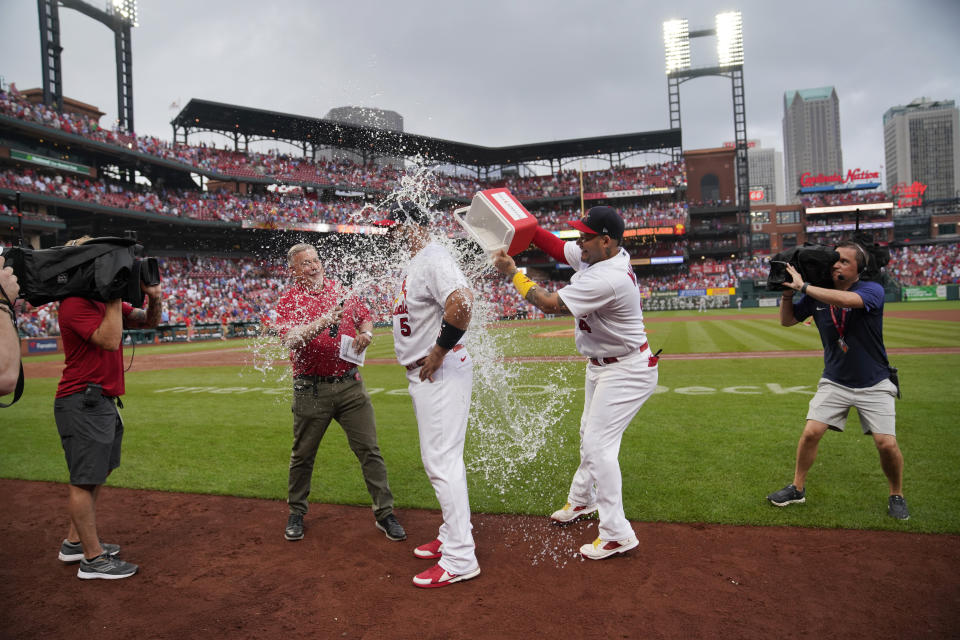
(126, 9)
(730, 39)
(676, 42)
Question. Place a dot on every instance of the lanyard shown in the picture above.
(842, 325)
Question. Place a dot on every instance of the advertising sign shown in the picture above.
(934, 292)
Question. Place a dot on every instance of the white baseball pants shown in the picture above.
(613, 394)
(442, 408)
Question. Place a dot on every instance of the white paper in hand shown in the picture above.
(347, 353)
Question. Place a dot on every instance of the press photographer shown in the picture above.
(87, 403)
(856, 373)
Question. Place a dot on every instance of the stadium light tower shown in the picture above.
(728, 29)
(119, 17)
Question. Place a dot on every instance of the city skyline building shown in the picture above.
(811, 136)
(922, 151)
(766, 173)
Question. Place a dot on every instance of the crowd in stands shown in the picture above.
(926, 265)
(271, 209)
(844, 198)
(211, 289)
(283, 168)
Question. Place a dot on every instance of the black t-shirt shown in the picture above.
(864, 364)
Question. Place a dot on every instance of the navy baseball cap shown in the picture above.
(405, 212)
(601, 220)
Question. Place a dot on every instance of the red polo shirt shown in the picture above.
(298, 306)
(85, 362)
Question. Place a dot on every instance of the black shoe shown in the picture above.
(787, 495)
(897, 508)
(392, 528)
(294, 530)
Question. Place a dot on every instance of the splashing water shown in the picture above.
(508, 431)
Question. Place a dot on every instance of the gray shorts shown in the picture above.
(91, 436)
(875, 406)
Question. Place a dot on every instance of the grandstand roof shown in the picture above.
(205, 115)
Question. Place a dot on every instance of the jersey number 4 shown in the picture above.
(582, 324)
(404, 326)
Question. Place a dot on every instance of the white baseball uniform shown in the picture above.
(441, 406)
(606, 305)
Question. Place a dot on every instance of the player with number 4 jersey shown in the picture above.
(605, 302)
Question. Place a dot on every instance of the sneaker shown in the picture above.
(106, 568)
(392, 528)
(787, 495)
(437, 576)
(294, 530)
(73, 551)
(430, 551)
(569, 513)
(600, 549)
(897, 508)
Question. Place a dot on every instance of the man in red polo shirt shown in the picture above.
(88, 419)
(311, 315)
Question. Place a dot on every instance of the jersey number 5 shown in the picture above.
(404, 326)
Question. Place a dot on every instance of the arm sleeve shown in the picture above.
(550, 243)
(81, 316)
(802, 308)
(872, 295)
(587, 295)
(443, 277)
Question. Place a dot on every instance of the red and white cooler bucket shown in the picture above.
(496, 220)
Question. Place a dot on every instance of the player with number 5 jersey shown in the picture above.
(431, 312)
(605, 302)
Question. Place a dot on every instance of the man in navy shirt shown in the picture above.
(856, 373)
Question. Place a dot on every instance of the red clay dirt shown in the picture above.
(218, 567)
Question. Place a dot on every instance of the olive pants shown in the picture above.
(347, 402)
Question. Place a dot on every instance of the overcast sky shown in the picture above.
(502, 72)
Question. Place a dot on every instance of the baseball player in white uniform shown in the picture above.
(621, 373)
(431, 313)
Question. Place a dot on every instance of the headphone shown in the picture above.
(866, 258)
(861, 255)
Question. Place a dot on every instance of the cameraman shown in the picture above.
(856, 373)
(9, 341)
(88, 419)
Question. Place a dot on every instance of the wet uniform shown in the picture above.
(441, 406)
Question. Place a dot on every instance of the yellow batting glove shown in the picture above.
(523, 284)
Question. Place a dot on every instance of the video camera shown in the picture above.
(100, 269)
(815, 263)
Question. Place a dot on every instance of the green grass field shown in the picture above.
(717, 437)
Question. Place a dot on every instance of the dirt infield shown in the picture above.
(218, 567)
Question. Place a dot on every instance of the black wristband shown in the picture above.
(449, 335)
(803, 289)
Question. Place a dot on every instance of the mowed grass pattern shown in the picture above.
(708, 447)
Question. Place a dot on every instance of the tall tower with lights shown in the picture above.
(728, 29)
(120, 16)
